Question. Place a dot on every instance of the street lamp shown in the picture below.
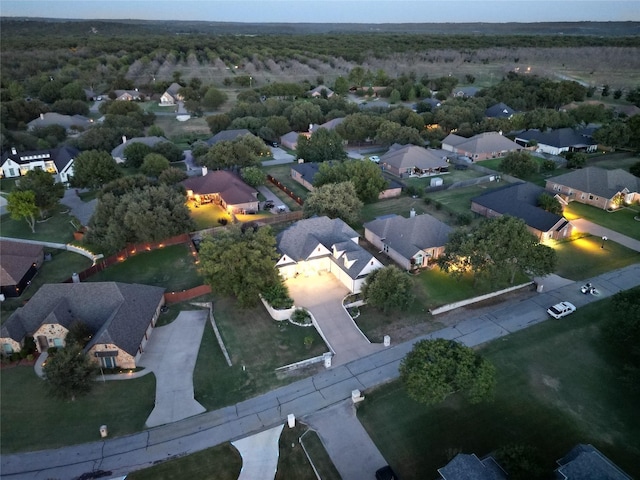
(604, 239)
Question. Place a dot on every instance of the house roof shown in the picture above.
(17, 259)
(470, 467)
(228, 135)
(300, 240)
(499, 110)
(306, 170)
(465, 91)
(488, 142)
(407, 156)
(226, 184)
(66, 121)
(118, 152)
(289, 137)
(330, 125)
(318, 90)
(561, 137)
(434, 102)
(408, 236)
(132, 93)
(520, 200)
(598, 181)
(61, 156)
(173, 89)
(585, 462)
(115, 312)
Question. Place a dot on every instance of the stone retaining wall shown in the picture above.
(469, 301)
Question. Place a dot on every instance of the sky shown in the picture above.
(331, 11)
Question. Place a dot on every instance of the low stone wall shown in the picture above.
(301, 364)
(469, 301)
(278, 314)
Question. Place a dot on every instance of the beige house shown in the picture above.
(222, 188)
(480, 147)
(120, 317)
(127, 95)
(413, 161)
(171, 95)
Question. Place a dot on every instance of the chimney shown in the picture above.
(42, 116)
(205, 170)
(412, 213)
(124, 139)
(14, 151)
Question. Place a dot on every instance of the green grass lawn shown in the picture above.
(57, 228)
(171, 267)
(207, 215)
(448, 178)
(539, 177)
(620, 220)
(557, 387)
(283, 174)
(32, 419)
(257, 342)
(458, 200)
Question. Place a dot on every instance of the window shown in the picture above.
(109, 362)
(385, 248)
(12, 172)
(590, 197)
(7, 348)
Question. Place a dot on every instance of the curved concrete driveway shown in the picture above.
(171, 354)
(322, 295)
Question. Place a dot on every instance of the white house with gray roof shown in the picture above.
(321, 244)
(57, 161)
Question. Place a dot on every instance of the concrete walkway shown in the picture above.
(303, 398)
(322, 295)
(594, 229)
(260, 453)
(171, 354)
(347, 442)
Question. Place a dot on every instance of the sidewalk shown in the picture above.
(303, 398)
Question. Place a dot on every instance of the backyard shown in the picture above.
(557, 387)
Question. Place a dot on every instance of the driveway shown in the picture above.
(269, 195)
(171, 354)
(280, 157)
(594, 229)
(322, 295)
(259, 454)
(83, 211)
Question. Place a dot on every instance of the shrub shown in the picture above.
(222, 221)
(464, 218)
(308, 341)
(548, 165)
(278, 296)
(413, 191)
(301, 316)
(427, 201)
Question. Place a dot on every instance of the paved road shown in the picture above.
(304, 397)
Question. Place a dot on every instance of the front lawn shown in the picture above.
(557, 387)
(32, 419)
(57, 228)
(620, 220)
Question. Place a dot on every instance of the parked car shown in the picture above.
(561, 309)
(374, 158)
(268, 205)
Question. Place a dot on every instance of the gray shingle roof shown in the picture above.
(228, 135)
(118, 152)
(17, 259)
(585, 462)
(66, 121)
(598, 181)
(560, 138)
(228, 185)
(408, 236)
(499, 110)
(61, 156)
(488, 142)
(470, 467)
(519, 200)
(408, 156)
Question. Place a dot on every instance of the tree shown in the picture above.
(497, 249)
(240, 262)
(392, 132)
(321, 146)
(79, 334)
(214, 98)
(172, 175)
(519, 164)
(435, 369)
(218, 123)
(388, 289)
(135, 152)
(253, 176)
(47, 191)
(22, 204)
(244, 151)
(335, 200)
(366, 177)
(549, 203)
(576, 159)
(341, 86)
(154, 164)
(93, 169)
(70, 373)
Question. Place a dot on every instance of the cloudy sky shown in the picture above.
(331, 11)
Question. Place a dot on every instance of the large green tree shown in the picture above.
(497, 249)
(70, 373)
(387, 289)
(135, 152)
(47, 191)
(214, 98)
(93, 169)
(435, 369)
(22, 204)
(519, 164)
(321, 146)
(240, 262)
(154, 164)
(366, 177)
(335, 200)
(549, 203)
(245, 151)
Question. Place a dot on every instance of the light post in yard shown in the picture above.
(604, 239)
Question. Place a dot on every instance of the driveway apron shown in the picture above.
(171, 354)
(322, 295)
(259, 454)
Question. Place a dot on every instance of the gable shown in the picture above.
(598, 181)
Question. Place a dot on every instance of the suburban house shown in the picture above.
(320, 244)
(499, 110)
(554, 142)
(465, 92)
(466, 467)
(413, 161)
(57, 161)
(480, 147)
(304, 173)
(228, 136)
(317, 92)
(71, 123)
(223, 188)
(171, 95)
(606, 189)
(118, 152)
(290, 140)
(120, 317)
(328, 125)
(20, 263)
(127, 95)
(585, 462)
(410, 242)
(520, 200)
(432, 102)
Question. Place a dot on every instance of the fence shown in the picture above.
(175, 297)
(283, 187)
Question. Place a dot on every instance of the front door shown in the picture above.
(43, 345)
(109, 362)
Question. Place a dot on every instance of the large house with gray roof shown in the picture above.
(57, 161)
(118, 152)
(555, 142)
(413, 161)
(480, 147)
(520, 200)
(606, 189)
(586, 462)
(228, 136)
(410, 242)
(71, 123)
(223, 188)
(120, 317)
(171, 96)
(321, 244)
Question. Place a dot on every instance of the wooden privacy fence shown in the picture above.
(284, 188)
(175, 297)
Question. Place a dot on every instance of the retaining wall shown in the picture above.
(469, 301)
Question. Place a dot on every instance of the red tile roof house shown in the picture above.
(57, 161)
(20, 263)
(410, 242)
(480, 147)
(520, 200)
(121, 317)
(598, 187)
(223, 188)
(413, 161)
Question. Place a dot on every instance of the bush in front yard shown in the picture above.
(301, 316)
(278, 296)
